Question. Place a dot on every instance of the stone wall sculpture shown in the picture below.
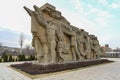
(56, 40)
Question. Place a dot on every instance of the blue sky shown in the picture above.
(98, 17)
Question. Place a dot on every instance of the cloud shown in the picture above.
(115, 5)
(11, 38)
(14, 17)
(101, 21)
(100, 17)
(113, 40)
(103, 2)
(78, 5)
(103, 14)
(81, 19)
(97, 11)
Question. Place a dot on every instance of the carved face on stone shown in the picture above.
(56, 15)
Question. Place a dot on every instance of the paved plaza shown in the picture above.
(110, 71)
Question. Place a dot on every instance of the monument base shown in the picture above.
(35, 69)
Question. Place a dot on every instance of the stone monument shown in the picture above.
(56, 40)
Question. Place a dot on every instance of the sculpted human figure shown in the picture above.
(73, 44)
(52, 42)
(39, 36)
(51, 35)
(88, 46)
(83, 41)
(59, 46)
(75, 52)
(47, 39)
(96, 50)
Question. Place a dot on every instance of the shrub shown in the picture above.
(31, 57)
(0, 59)
(5, 57)
(10, 58)
(21, 57)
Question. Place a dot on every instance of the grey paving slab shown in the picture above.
(7, 73)
(102, 72)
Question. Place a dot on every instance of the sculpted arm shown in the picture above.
(30, 12)
(69, 33)
(40, 17)
(41, 20)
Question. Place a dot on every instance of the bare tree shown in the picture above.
(0, 47)
(27, 48)
(21, 42)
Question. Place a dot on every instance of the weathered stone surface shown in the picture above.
(56, 40)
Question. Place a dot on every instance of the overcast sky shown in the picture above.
(98, 17)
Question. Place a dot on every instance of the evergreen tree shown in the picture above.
(5, 57)
(21, 57)
(16, 59)
(10, 58)
(0, 59)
